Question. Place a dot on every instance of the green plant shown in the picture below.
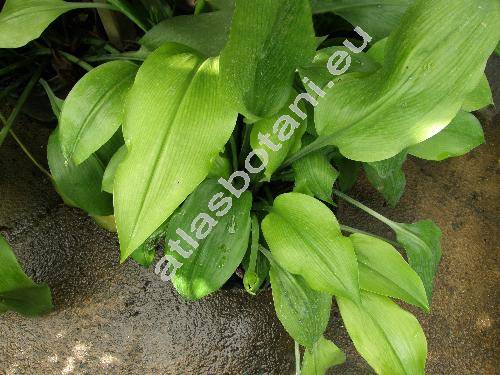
(223, 135)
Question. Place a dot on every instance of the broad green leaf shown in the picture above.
(263, 137)
(315, 176)
(222, 240)
(17, 292)
(387, 177)
(56, 103)
(462, 135)
(146, 253)
(303, 311)
(480, 97)
(108, 179)
(422, 242)
(416, 94)
(382, 270)
(22, 21)
(134, 11)
(387, 337)
(323, 355)
(378, 18)
(93, 110)
(176, 123)
(206, 33)
(79, 185)
(221, 167)
(348, 172)
(268, 41)
(305, 239)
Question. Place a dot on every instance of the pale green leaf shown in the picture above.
(387, 177)
(223, 242)
(387, 337)
(94, 109)
(79, 185)
(382, 270)
(268, 41)
(462, 135)
(108, 179)
(480, 97)
(18, 292)
(22, 21)
(378, 18)
(315, 176)
(206, 33)
(176, 123)
(415, 94)
(422, 242)
(303, 311)
(321, 357)
(305, 239)
(277, 151)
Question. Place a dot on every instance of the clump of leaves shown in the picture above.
(226, 140)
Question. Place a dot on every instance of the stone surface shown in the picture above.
(112, 319)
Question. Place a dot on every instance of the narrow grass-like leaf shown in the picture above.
(323, 355)
(382, 270)
(79, 185)
(416, 94)
(18, 292)
(305, 239)
(462, 135)
(221, 248)
(387, 177)
(303, 311)
(94, 109)
(268, 41)
(22, 21)
(387, 337)
(378, 18)
(176, 123)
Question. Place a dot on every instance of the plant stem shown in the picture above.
(318, 144)
(200, 4)
(348, 229)
(297, 358)
(82, 64)
(20, 104)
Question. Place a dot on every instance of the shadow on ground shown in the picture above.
(112, 319)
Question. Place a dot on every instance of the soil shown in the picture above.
(112, 319)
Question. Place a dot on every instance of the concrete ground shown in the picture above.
(112, 319)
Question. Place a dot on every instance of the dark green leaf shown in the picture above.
(305, 239)
(222, 240)
(323, 355)
(462, 135)
(269, 40)
(146, 253)
(348, 172)
(17, 292)
(387, 337)
(176, 123)
(387, 177)
(382, 270)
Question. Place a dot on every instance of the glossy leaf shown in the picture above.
(480, 97)
(79, 185)
(17, 292)
(146, 253)
(315, 176)
(422, 242)
(462, 135)
(218, 255)
(305, 239)
(94, 109)
(176, 123)
(268, 40)
(264, 127)
(387, 177)
(323, 355)
(382, 270)
(22, 21)
(416, 94)
(303, 311)
(387, 337)
(108, 179)
(378, 18)
(206, 33)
